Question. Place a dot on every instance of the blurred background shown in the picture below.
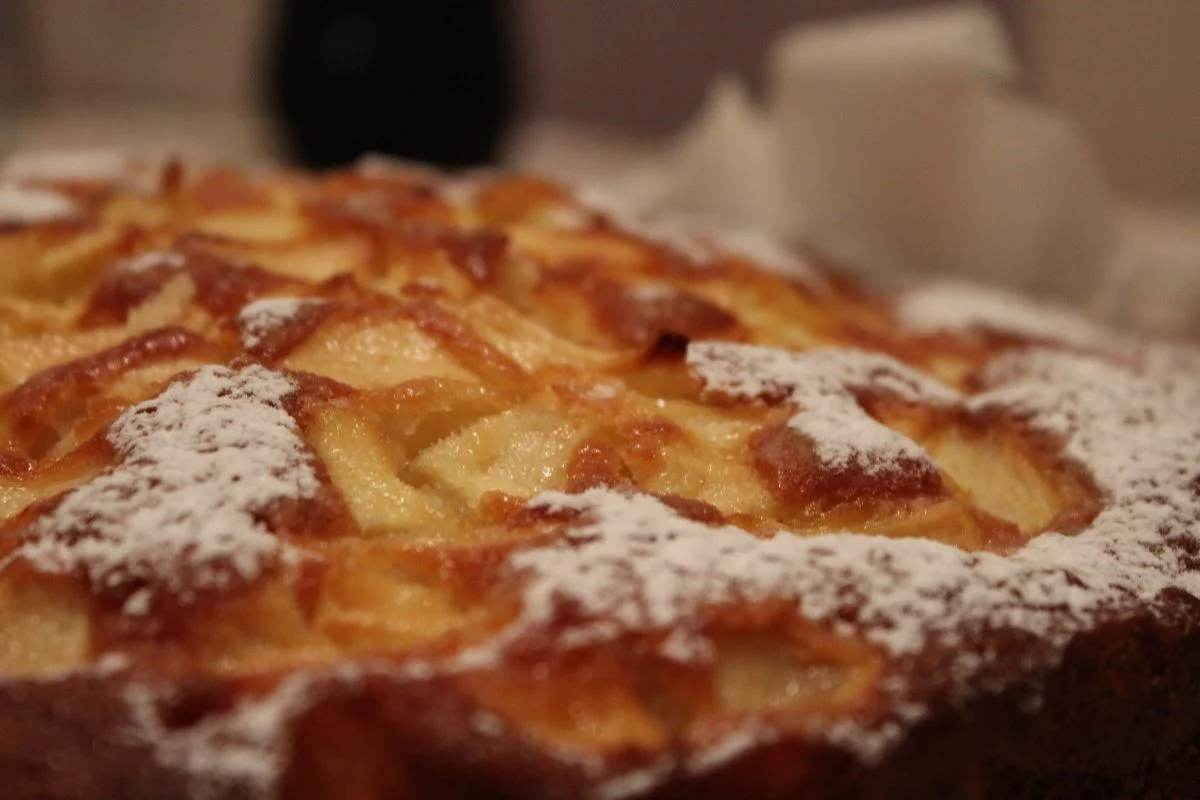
(189, 73)
(592, 89)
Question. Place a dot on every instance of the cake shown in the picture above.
(385, 483)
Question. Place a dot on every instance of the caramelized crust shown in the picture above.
(386, 483)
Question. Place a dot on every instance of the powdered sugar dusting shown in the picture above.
(634, 564)
(462, 190)
(666, 232)
(258, 319)
(749, 735)
(382, 165)
(152, 260)
(66, 166)
(243, 748)
(653, 292)
(763, 251)
(459, 189)
(964, 307)
(630, 563)
(83, 166)
(26, 205)
(178, 512)
(700, 241)
(822, 384)
(634, 783)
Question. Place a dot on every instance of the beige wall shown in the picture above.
(1129, 72)
(642, 65)
(178, 51)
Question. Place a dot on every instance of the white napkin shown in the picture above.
(894, 143)
(724, 164)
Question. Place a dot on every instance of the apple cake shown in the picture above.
(391, 484)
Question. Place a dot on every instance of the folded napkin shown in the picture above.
(896, 143)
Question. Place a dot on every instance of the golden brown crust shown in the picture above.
(389, 484)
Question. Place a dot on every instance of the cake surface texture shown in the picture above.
(385, 483)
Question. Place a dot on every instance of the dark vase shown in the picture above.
(428, 80)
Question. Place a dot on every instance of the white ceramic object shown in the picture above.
(908, 154)
(724, 164)
(894, 144)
